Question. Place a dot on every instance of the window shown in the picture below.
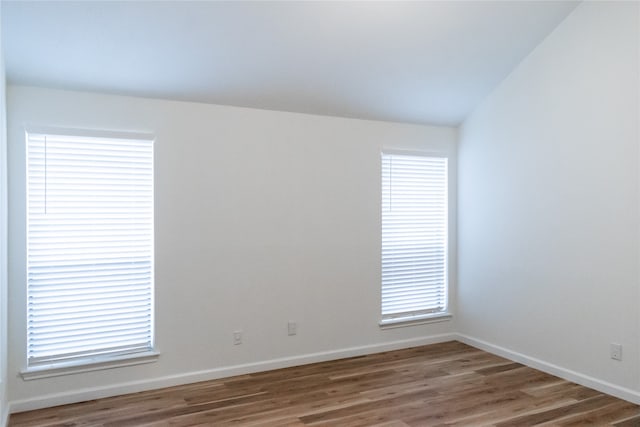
(414, 237)
(89, 249)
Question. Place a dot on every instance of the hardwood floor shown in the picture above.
(435, 385)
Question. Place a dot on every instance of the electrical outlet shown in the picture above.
(293, 328)
(237, 337)
(616, 351)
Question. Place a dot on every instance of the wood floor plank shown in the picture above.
(437, 385)
(633, 421)
(546, 416)
(604, 415)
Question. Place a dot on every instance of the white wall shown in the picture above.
(548, 203)
(3, 238)
(261, 217)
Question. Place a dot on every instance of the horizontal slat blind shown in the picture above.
(89, 248)
(414, 235)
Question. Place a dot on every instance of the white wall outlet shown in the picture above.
(616, 351)
(293, 328)
(237, 337)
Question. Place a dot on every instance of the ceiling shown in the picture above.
(417, 62)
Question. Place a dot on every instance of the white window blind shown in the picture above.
(414, 236)
(89, 248)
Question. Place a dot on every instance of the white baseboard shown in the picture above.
(211, 374)
(229, 371)
(567, 374)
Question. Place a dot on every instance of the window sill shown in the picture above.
(59, 369)
(401, 322)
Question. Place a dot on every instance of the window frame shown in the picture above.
(431, 317)
(99, 361)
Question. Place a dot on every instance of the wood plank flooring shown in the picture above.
(436, 385)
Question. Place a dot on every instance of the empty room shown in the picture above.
(319, 213)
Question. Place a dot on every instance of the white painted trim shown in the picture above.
(4, 416)
(564, 373)
(56, 370)
(443, 153)
(211, 374)
(401, 322)
(88, 133)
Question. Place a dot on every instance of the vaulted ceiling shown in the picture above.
(421, 62)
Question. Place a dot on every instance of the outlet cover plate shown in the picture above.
(616, 351)
(293, 328)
